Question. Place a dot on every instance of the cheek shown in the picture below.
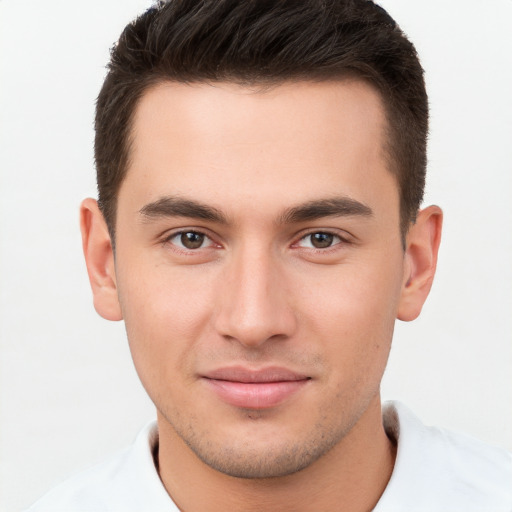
(353, 311)
(165, 312)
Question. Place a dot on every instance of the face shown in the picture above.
(259, 267)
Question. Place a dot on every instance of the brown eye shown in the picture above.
(192, 240)
(321, 240)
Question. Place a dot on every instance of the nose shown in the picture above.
(254, 304)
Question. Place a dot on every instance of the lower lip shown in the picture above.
(255, 395)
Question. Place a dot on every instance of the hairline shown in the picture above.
(262, 85)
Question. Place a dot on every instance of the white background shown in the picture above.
(69, 395)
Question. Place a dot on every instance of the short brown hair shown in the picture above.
(265, 42)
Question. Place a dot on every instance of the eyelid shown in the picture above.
(336, 241)
(167, 236)
(343, 236)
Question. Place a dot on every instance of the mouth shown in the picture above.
(255, 389)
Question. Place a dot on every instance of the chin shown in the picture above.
(257, 452)
(250, 463)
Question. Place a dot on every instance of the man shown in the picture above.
(260, 170)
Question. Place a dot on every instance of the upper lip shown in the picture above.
(247, 375)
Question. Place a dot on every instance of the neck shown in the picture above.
(351, 477)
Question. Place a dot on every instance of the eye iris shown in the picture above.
(192, 240)
(321, 240)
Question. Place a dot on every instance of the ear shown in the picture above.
(99, 258)
(422, 246)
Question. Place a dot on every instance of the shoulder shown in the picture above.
(127, 482)
(437, 469)
(86, 490)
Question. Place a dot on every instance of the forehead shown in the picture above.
(222, 143)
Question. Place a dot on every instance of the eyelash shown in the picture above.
(340, 241)
(180, 248)
(168, 240)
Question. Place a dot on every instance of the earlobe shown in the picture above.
(422, 247)
(99, 258)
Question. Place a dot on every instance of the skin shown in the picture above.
(256, 292)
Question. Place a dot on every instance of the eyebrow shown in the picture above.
(332, 207)
(170, 206)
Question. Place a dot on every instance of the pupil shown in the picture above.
(321, 240)
(192, 240)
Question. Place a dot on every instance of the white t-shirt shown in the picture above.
(435, 471)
